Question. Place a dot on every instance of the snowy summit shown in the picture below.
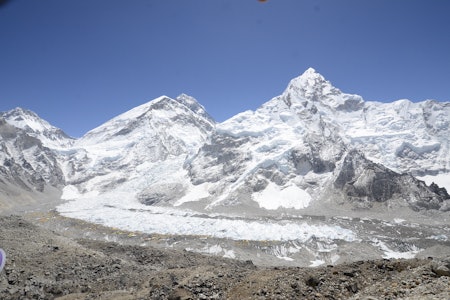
(167, 167)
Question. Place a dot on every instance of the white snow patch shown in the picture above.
(442, 180)
(316, 263)
(214, 250)
(441, 237)
(389, 253)
(70, 192)
(275, 196)
(195, 193)
(229, 254)
(334, 258)
(285, 258)
(115, 210)
(282, 251)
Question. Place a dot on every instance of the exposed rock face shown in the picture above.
(307, 137)
(140, 153)
(34, 126)
(364, 182)
(218, 159)
(297, 149)
(439, 190)
(310, 176)
(26, 162)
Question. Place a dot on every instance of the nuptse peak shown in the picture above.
(313, 146)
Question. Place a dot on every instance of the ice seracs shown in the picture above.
(281, 173)
(140, 153)
(291, 153)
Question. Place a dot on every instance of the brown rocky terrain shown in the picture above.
(48, 258)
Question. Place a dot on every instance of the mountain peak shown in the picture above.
(310, 72)
(25, 119)
(191, 103)
(18, 112)
(310, 86)
(310, 78)
(35, 126)
(313, 87)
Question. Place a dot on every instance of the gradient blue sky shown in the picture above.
(79, 63)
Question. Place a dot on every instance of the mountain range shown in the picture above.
(167, 167)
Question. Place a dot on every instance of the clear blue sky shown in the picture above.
(79, 63)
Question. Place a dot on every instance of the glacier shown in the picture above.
(313, 172)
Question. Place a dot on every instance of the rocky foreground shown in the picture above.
(48, 259)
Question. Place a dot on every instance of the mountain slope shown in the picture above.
(315, 171)
(50, 136)
(29, 169)
(294, 149)
(139, 153)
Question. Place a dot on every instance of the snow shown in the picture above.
(229, 254)
(442, 180)
(334, 258)
(144, 152)
(399, 221)
(138, 152)
(441, 237)
(316, 263)
(284, 250)
(195, 193)
(70, 192)
(215, 250)
(115, 210)
(31, 123)
(380, 130)
(285, 258)
(390, 253)
(404, 136)
(274, 197)
(24, 119)
(272, 133)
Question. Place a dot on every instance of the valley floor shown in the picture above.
(50, 256)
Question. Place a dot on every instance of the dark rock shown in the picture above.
(364, 181)
(441, 267)
(312, 282)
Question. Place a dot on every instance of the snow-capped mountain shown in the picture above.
(293, 152)
(50, 136)
(139, 154)
(167, 167)
(29, 168)
(297, 148)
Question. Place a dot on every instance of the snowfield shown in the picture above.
(281, 173)
(132, 216)
(274, 197)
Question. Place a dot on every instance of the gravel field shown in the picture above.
(49, 257)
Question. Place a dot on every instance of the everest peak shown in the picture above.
(192, 103)
(159, 115)
(307, 168)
